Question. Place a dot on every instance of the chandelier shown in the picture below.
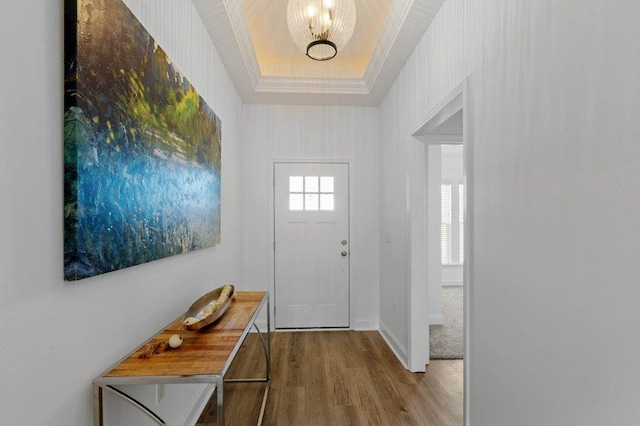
(321, 27)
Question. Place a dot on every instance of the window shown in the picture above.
(445, 225)
(311, 193)
(452, 223)
(461, 222)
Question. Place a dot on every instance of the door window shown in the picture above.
(311, 193)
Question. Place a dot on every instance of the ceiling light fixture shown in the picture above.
(321, 27)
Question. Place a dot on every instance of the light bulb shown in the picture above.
(310, 11)
(328, 4)
(326, 19)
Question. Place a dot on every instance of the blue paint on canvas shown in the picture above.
(142, 148)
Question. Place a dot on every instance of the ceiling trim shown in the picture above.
(392, 25)
(406, 23)
(243, 36)
(312, 85)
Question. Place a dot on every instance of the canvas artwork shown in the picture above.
(141, 147)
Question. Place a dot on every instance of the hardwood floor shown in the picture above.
(339, 378)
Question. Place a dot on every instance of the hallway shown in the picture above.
(340, 378)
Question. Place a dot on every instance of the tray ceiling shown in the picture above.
(253, 41)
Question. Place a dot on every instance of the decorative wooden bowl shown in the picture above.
(199, 310)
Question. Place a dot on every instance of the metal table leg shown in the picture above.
(97, 405)
(220, 394)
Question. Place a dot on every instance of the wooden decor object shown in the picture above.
(207, 309)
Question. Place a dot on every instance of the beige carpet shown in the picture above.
(446, 341)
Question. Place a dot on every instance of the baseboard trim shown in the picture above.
(436, 319)
(362, 324)
(366, 324)
(396, 347)
(303, 330)
(452, 283)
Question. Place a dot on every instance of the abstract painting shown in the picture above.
(142, 149)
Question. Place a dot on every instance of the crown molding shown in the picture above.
(265, 84)
(312, 85)
(406, 23)
(243, 36)
(392, 25)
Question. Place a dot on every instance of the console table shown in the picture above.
(204, 357)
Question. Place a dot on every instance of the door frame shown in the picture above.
(272, 232)
(417, 316)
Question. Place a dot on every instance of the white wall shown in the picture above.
(555, 289)
(57, 336)
(314, 133)
(439, 64)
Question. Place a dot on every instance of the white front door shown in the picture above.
(311, 245)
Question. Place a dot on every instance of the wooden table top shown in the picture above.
(203, 352)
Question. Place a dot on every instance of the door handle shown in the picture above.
(343, 242)
(344, 253)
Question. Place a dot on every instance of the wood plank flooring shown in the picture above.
(338, 378)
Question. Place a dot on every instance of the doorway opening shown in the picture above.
(445, 124)
(446, 292)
